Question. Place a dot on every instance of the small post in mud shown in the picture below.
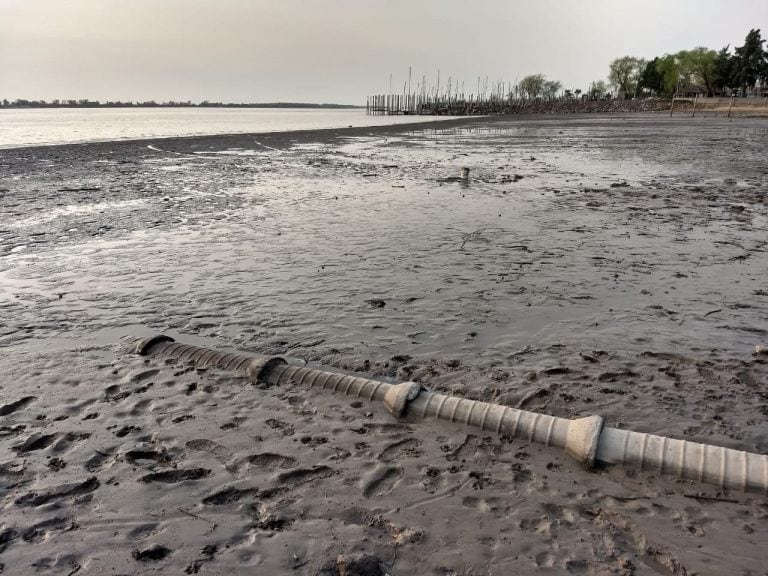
(672, 108)
(693, 114)
(465, 174)
(731, 105)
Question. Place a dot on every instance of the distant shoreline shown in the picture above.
(276, 138)
(30, 104)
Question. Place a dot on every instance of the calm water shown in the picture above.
(66, 125)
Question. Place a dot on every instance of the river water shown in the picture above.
(33, 127)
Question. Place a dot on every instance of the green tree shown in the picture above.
(671, 73)
(651, 79)
(624, 74)
(699, 64)
(725, 71)
(751, 61)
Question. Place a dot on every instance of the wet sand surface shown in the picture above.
(590, 265)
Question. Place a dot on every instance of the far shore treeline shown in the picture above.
(84, 103)
(699, 71)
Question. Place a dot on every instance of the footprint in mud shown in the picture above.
(433, 481)
(548, 523)
(114, 393)
(143, 531)
(12, 431)
(401, 449)
(144, 375)
(140, 457)
(272, 462)
(313, 440)
(100, 460)
(36, 442)
(178, 475)
(467, 449)
(77, 408)
(300, 476)
(521, 475)
(125, 430)
(17, 405)
(59, 564)
(283, 427)
(6, 537)
(207, 554)
(203, 445)
(59, 493)
(40, 531)
(381, 481)
(141, 406)
(229, 496)
(219, 452)
(67, 440)
(11, 472)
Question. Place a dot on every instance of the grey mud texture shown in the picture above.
(584, 439)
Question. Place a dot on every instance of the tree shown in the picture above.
(651, 79)
(551, 88)
(699, 63)
(598, 90)
(532, 86)
(751, 61)
(725, 71)
(624, 73)
(672, 75)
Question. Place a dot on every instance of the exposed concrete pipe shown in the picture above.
(584, 439)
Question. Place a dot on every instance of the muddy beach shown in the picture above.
(611, 265)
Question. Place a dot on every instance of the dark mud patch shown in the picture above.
(153, 554)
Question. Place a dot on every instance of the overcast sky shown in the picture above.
(336, 50)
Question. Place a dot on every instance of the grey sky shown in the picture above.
(336, 50)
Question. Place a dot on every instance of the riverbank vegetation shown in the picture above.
(701, 70)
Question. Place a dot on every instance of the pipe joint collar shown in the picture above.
(144, 346)
(583, 438)
(258, 369)
(397, 397)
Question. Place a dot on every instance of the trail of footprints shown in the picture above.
(154, 463)
(266, 505)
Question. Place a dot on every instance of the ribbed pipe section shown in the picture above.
(371, 390)
(584, 439)
(495, 418)
(252, 366)
(724, 467)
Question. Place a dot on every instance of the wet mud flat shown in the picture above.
(590, 265)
